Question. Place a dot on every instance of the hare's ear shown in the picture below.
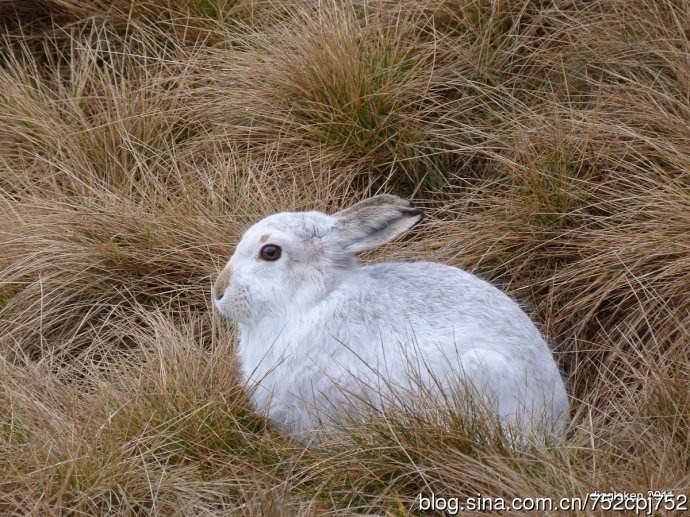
(374, 221)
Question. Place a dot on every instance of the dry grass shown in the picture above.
(547, 140)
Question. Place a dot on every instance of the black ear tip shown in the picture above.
(414, 212)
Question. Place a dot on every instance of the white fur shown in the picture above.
(318, 331)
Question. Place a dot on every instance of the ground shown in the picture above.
(547, 141)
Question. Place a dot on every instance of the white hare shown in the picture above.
(319, 332)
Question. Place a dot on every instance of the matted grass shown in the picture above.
(547, 141)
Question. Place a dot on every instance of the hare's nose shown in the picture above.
(221, 283)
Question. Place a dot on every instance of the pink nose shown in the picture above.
(221, 283)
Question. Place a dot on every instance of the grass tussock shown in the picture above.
(548, 141)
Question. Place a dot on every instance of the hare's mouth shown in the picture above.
(233, 304)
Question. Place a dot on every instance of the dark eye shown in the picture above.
(270, 252)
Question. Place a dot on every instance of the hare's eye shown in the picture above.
(270, 252)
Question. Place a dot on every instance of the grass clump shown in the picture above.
(546, 140)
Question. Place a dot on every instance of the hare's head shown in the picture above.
(291, 260)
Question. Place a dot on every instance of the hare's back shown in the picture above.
(441, 302)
